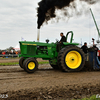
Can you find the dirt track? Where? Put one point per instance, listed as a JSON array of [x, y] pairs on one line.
[[47, 83]]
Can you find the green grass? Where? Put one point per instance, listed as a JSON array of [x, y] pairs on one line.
[[16, 63], [9, 58], [91, 98], [46, 62], [9, 64]]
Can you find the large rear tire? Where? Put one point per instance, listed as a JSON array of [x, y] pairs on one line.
[[30, 65], [21, 62], [71, 58]]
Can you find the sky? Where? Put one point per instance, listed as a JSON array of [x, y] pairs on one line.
[[18, 19]]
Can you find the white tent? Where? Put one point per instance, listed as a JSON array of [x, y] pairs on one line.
[[17, 47]]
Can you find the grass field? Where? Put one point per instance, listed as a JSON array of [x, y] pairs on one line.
[[91, 98], [1, 58], [17, 63]]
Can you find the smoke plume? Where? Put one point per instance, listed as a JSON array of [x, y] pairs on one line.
[[47, 8]]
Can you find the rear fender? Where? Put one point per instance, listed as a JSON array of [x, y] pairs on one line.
[[67, 44]]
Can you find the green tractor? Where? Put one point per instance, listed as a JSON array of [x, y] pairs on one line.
[[69, 58]]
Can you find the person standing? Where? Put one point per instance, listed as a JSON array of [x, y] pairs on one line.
[[85, 48], [96, 48]]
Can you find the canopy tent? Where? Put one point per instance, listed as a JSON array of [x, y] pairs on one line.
[[17, 47]]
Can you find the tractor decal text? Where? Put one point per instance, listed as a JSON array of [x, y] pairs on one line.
[[28, 44]]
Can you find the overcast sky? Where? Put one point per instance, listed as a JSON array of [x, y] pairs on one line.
[[18, 19]]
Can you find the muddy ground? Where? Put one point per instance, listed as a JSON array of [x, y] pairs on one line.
[[47, 84]]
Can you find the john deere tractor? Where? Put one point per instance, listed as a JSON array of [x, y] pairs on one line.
[[68, 58]]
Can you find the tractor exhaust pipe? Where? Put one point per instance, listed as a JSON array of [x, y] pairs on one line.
[[38, 35]]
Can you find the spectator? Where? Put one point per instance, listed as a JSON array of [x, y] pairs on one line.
[[4, 53], [95, 48], [84, 48]]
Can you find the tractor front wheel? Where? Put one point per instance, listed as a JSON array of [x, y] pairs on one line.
[[30, 65], [21, 62], [71, 58]]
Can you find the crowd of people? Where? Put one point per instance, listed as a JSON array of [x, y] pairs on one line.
[[5, 52], [85, 48]]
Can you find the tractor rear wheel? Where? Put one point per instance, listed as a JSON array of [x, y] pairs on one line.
[[30, 65], [53, 66], [21, 62], [71, 58]]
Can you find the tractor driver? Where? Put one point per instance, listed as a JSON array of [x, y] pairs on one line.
[[63, 39]]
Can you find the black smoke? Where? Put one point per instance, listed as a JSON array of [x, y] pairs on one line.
[[47, 8]]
